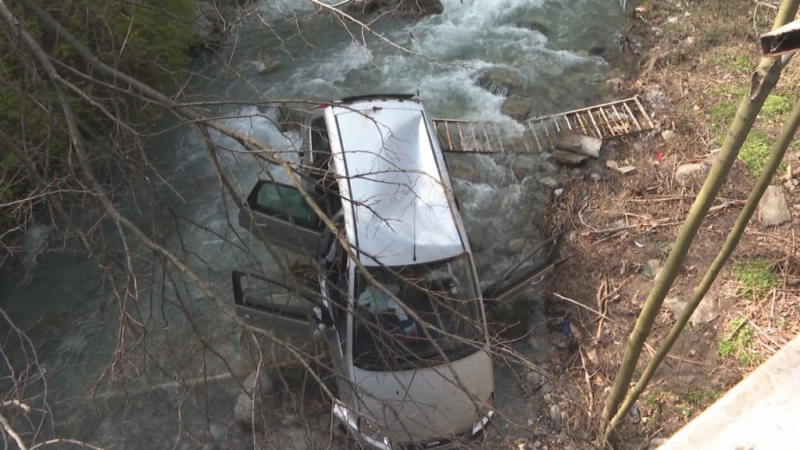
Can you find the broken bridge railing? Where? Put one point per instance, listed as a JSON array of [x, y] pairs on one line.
[[605, 121]]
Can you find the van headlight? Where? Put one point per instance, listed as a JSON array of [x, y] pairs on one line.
[[480, 424]]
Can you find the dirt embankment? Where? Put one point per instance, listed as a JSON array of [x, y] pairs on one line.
[[691, 62]]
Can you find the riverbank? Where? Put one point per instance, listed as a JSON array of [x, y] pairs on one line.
[[694, 67]]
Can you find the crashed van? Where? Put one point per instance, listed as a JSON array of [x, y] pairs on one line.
[[396, 298]]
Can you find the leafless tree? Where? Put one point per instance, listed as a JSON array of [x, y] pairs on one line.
[[171, 355]]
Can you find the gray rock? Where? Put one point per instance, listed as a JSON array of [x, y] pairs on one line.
[[633, 414], [499, 81], [555, 417], [655, 443], [516, 245], [546, 388], [595, 176], [208, 28], [581, 144], [773, 208], [675, 304], [706, 311], [517, 108], [667, 135], [652, 268], [535, 380], [689, 174], [413, 9], [258, 396], [597, 50]]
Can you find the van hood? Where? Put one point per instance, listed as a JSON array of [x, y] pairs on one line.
[[424, 404]]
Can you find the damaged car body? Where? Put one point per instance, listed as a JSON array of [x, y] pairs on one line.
[[397, 299]]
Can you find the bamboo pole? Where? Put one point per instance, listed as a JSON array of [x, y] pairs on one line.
[[778, 151]]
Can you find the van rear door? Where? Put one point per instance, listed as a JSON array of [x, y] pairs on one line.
[[282, 217]]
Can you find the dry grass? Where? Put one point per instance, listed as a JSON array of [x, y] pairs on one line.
[[693, 74]]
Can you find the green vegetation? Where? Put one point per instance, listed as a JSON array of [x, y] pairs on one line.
[[696, 400], [776, 105], [755, 278], [656, 397], [738, 343], [756, 149], [731, 61], [755, 152], [147, 39]]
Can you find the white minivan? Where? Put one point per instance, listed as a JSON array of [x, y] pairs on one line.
[[401, 312]]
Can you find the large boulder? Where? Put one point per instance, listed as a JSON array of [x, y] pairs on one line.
[[517, 108], [413, 9], [256, 401], [208, 27], [499, 81]]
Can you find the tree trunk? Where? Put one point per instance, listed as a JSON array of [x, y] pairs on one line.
[[762, 82]]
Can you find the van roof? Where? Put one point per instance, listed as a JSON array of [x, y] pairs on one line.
[[392, 168]]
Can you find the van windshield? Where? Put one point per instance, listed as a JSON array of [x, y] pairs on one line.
[[435, 310]]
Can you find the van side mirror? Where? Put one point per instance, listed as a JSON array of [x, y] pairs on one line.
[[322, 316]]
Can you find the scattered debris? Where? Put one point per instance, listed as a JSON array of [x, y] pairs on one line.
[[624, 170], [774, 209], [667, 135]]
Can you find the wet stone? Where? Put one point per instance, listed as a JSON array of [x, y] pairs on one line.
[[499, 81], [516, 245], [517, 108], [549, 182]]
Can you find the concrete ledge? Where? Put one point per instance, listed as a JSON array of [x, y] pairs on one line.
[[761, 412]]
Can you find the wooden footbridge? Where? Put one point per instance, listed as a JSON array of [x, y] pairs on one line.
[[606, 121]]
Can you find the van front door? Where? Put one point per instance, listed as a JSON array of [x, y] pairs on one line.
[[272, 305], [283, 218]]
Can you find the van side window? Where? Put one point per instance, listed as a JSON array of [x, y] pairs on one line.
[[284, 202]]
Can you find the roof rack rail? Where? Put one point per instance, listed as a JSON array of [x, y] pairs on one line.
[[377, 96]]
